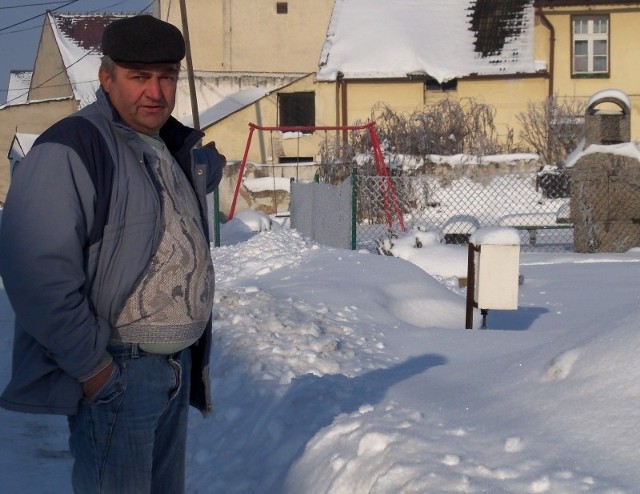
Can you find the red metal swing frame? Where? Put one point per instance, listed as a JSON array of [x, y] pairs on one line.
[[388, 193]]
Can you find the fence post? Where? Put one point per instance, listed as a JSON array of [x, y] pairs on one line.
[[354, 208], [216, 216]]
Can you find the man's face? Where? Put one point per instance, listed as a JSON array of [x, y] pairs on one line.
[[143, 94]]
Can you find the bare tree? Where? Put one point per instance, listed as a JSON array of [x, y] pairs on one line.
[[552, 128], [448, 127]]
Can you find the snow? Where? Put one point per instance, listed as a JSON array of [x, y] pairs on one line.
[[382, 39], [469, 159], [628, 149], [461, 223], [21, 144], [495, 236], [228, 105], [262, 184], [19, 82], [81, 65], [532, 219], [338, 371], [610, 93]]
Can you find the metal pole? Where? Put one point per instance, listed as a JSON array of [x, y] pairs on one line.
[[216, 216], [354, 208], [192, 86], [471, 285]]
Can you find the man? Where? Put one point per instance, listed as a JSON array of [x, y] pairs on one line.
[[104, 254]]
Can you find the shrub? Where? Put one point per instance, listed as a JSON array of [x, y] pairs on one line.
[[445, 128], [552, 128]]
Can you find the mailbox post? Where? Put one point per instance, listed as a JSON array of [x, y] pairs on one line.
[[493, 271]]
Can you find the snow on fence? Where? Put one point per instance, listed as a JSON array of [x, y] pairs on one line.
[[322, 212], [454, 208]]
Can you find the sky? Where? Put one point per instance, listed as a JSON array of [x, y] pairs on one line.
[[345, 372], [21, 25]]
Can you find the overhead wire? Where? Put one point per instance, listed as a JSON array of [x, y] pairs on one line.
[[7, 7], [35, 16], [75, 62]]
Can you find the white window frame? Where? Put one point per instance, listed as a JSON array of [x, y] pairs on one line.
[[588, 30]]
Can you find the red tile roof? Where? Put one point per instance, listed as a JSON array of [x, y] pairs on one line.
[[85, 29]]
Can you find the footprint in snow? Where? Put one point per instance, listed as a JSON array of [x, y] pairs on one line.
[[560, 367]]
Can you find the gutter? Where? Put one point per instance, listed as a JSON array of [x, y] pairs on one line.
[[552, 47], [341, 111]]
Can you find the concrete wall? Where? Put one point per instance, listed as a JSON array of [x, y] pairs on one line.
[[249, 36]]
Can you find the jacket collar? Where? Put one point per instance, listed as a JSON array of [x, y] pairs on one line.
[[178, 138]]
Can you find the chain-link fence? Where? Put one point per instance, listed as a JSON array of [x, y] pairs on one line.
[[535, 203]]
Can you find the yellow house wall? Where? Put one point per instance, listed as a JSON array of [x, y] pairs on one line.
[[32, 118], [205, 19], [266, 147], [542, 41], [508, 97], [363, 96], [49, 79], [249, 36], [624, 52]]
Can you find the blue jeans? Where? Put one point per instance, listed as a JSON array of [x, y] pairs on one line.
[[131, 437]]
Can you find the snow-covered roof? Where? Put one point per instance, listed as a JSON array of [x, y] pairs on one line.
[[443, 40], [78, 37], [18, 91], [627, 149], [227, 106], [20, 146], [610, 94]]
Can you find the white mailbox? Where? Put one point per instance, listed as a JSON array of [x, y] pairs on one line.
[[496, 280], [493, 272]]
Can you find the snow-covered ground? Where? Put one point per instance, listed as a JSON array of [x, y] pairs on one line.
[[337, 371]]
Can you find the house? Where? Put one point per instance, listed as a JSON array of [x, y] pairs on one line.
[[504, 53], [330, 62], [64, 78], [589, 46], [237, 45], [20, 146], [252, 36], [236, 49]]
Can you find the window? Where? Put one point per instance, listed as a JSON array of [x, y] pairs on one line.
[[433, 85], [590, 45], [297, 109], [282, 7]]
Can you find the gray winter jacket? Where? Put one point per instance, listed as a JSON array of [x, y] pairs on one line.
[[81, 222]]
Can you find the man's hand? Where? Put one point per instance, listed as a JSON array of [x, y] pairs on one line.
[[212, 145], [93, 385]]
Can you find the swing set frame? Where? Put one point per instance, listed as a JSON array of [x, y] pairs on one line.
[[391, 205]]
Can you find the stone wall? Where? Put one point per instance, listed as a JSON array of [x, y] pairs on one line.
[[605, 202]]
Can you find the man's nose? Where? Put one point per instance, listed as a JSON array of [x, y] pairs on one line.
[[154, 88]]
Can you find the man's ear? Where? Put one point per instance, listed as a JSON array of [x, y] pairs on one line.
[[105, 79]]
